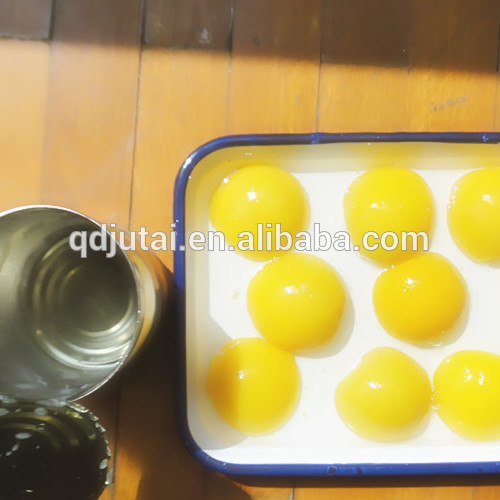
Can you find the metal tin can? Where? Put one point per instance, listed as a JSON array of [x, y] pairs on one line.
[[74, 305], [51, 451]]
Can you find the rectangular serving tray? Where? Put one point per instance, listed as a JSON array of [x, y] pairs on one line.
[[211, 306]]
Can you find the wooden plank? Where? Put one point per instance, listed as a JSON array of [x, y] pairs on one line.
[[454, 62], [189, 23], [92, 107], [23, 94], [354, 99], [25, 18], [152, 460], [364, 75], [275, 66], [182, 104]]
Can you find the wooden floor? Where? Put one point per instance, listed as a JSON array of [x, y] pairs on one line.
[[101, 100]]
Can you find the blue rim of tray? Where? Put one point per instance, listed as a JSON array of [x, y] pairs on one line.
[[361, 469]]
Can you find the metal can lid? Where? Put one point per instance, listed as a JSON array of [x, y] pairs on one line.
[[51, 450]]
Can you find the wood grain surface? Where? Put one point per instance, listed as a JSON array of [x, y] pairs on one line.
[[25, 18], [274, 66], [189, 24], [91, 107], [100, 117], [23, 98]]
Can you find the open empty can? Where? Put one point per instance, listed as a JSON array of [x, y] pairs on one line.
[[74, 305]]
